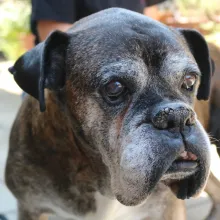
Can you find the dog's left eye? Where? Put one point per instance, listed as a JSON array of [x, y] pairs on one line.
[[114, 90], [189, 81]]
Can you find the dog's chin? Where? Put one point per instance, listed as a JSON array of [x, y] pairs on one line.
[[184, 184], [185, 177], [146, 160], [181, 183]]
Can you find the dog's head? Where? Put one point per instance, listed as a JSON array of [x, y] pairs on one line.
[[130, 82]]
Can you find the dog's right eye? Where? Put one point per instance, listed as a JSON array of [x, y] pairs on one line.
[[114, 88], [115, 91]]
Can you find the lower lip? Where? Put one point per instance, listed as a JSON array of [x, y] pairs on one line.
[[183, 166]]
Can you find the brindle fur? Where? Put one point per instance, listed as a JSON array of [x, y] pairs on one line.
[[81, 145]]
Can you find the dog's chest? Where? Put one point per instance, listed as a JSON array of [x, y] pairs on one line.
[[107, 209], [113, 210]]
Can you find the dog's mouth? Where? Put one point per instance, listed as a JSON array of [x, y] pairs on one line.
[[178, 176], [186, 162], [181, 162]]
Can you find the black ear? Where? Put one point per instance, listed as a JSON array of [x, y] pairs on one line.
[[42, 67], [200, 51]]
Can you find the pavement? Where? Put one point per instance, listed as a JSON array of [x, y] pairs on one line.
[[10, 101]]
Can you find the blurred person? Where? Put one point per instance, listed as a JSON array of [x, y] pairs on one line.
[[50, 15]]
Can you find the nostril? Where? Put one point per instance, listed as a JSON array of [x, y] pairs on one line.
[[169, 118], [191, 119], [188, 122], [164, 119], [170, 124]]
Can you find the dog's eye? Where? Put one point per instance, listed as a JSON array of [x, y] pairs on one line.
[[189, 81], [114, 89]]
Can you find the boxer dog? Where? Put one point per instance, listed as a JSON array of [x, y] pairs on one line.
[[109, 121]]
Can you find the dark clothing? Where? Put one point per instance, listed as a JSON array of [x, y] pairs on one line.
[[70, 11]]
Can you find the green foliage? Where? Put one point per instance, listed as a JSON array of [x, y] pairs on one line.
[[198, 7], [201, 10], [14, 23]]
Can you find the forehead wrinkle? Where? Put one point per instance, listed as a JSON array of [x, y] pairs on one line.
[[174, 66], [135, 69], [171, 72]]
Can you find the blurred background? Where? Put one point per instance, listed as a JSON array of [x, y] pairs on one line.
[[16, 38]]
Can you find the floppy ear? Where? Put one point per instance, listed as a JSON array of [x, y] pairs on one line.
[[42, 67], [200, 51]]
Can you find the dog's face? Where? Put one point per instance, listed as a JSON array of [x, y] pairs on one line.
[[130, 82]]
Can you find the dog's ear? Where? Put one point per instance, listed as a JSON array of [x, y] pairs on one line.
[[212, 66], [42, 67], [200, 51]]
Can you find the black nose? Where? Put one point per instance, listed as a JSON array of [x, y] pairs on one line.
[[173, 116]]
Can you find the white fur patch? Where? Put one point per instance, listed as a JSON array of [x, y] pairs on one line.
[[108, 209]]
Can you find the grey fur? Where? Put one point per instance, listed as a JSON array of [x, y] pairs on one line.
[[83, 145]]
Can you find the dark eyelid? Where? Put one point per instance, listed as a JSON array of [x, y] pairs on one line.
[[192, 70], [125, 80]]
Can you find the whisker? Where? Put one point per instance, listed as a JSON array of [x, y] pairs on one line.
[[213, 138]]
